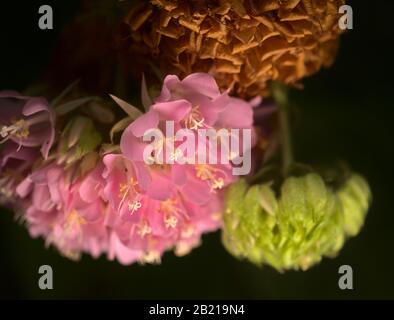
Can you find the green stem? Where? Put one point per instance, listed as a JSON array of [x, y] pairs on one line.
[[280, 95]]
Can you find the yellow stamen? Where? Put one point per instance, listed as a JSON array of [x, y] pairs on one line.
[[182, 249], [170, 206], [19, 129], [152, 256], [195, 119], [125, 189], [216, 216], [187, 232], [144, 228], [171, 221], [209, 174], [134, 206], [74, 220]]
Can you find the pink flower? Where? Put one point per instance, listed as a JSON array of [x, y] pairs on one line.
[[125, 208], [27, 121], [68, 213], [15, 164], [26, 127], [202, 104], [193, 103], [106, 212], [143, 228]]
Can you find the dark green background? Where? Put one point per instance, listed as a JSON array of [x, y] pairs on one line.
[[345, 112]]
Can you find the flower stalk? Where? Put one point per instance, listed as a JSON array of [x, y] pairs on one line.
[[280, 94]]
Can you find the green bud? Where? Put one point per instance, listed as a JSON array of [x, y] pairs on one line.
[[80, 137], [294, 230], [355, 197]]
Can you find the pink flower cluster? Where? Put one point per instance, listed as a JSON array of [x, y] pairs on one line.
[[27, 127], [124, 208]]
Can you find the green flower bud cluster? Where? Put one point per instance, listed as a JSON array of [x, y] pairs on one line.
[[307, 221]]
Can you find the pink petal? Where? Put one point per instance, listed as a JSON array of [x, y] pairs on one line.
[[132, 147], [256, 101], [142, 174], [89, 190], [202, 83], [238, 114], [173, 110], [196, 191], [138, 127], [160, 188], [212, 108], [35, 105], [178, 174], [119, 251], [24, 188], [169, 82]]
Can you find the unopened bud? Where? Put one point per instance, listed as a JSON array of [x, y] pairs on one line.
[[295, 229]]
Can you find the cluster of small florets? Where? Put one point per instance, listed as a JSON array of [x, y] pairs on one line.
[[111, 202]]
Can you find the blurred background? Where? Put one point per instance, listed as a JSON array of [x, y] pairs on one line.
[[346, 112]]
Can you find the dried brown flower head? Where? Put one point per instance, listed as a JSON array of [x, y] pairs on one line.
[[244, 43]]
